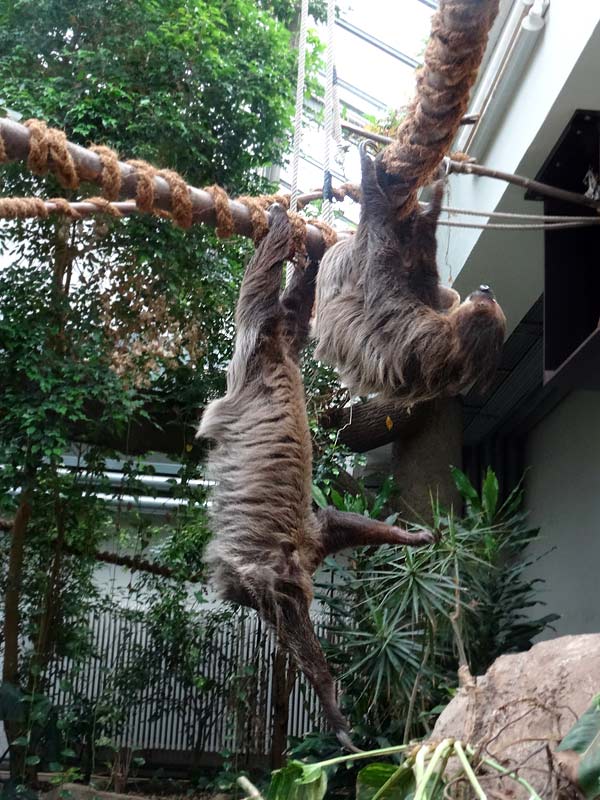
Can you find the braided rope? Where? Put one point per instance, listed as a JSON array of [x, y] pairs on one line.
[[48, 150], [49, 146], [225, 225], [181, 200], [110, 179], [22, 207], [259, 223], [34, 207], [459, 32]]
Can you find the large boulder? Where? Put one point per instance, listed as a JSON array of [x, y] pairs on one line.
[[518, 712]]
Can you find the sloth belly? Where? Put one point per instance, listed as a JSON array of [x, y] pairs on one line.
[[261, 508]]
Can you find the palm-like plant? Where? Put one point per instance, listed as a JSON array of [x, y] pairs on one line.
[[399, 617]]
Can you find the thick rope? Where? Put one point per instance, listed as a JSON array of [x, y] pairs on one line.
[[110, 179], [48, 146], [48, 151], [225, 225], [32, 207], [22, 208], [256, 209], [459, 32], [181, 200]]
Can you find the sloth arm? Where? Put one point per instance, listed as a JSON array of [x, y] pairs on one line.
[[342, 529], [258, 303], [297, 301]]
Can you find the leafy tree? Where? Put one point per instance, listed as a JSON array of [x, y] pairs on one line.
[[102, 320]]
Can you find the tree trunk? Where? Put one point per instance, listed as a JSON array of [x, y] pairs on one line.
[[421, 463], [12, 595], [284, 675]]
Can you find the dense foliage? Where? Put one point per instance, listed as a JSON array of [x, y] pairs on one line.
[[108, 328], [104, 325], [401, 618]]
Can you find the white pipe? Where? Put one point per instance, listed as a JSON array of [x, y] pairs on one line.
[[506, 69]]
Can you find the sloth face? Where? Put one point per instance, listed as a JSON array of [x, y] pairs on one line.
[[482, 295]]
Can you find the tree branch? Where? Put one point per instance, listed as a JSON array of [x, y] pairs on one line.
[[374, 423]]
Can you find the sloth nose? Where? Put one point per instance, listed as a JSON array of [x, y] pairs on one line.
[[483, 293]]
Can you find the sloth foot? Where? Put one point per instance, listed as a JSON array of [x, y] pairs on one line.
[[344, 739]]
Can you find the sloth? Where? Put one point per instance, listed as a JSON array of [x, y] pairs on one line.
[[383, 320], [268, 540]]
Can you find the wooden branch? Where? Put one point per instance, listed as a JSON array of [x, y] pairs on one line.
[[89, 167], [468, 119], [14, 575], [376, 422], [133, 563], [471, 168]]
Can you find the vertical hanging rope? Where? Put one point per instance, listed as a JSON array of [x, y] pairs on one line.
[[298, 115], [327, 212], [299, 105]]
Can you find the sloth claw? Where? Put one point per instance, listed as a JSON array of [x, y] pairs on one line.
[[344, 739]]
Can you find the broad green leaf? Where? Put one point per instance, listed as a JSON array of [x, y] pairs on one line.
[[584, 738], [372, 777], [319, 497], [31, 761], [298, 781], [20, 741]]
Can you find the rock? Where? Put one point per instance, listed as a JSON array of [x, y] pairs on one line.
[[518, 712]]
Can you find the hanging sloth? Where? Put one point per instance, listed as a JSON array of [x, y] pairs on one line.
[[268, 541], [383, 320]]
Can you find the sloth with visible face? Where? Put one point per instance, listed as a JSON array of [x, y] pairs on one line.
[[267, 539], [383, 320]]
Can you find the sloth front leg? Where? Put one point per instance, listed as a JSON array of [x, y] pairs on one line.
[[343, 529]]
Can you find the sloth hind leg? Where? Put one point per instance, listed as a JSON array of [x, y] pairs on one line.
[[341, 529], [295, 633]]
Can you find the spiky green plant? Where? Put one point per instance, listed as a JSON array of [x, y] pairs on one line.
[[399, 617]]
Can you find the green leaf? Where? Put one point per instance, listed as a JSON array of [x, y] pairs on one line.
[[464, 485], [319, 497], [298, 781], [20, 741], [489, 494], [371, 778], [31, 761], [55, 766], [584, 738]]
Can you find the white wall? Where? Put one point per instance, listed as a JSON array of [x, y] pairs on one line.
[[563, 497], [562, 76]]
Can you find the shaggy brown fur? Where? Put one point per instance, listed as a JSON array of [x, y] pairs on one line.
[[382, 318], [267, 539]]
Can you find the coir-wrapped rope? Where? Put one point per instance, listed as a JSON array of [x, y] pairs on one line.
[[48, 151], [459, 33]]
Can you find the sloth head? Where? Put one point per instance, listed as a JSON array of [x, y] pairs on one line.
[[480, 326]]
